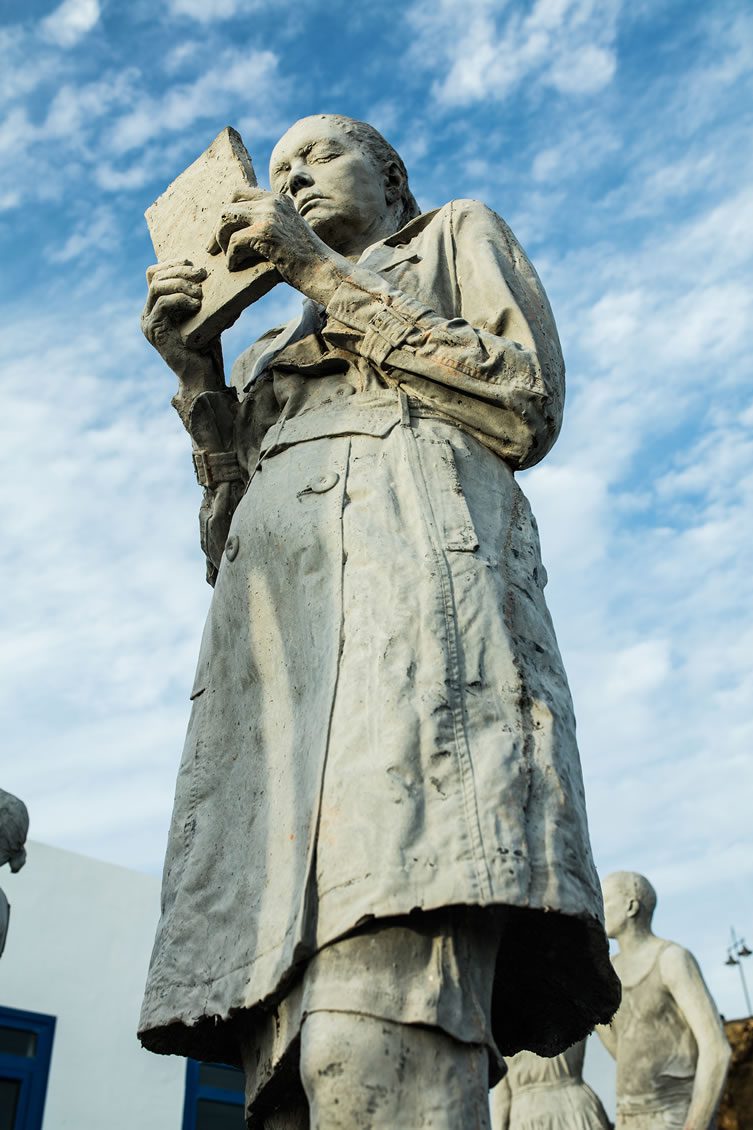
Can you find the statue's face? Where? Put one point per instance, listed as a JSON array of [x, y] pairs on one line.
[[332, 181], [616, 903]]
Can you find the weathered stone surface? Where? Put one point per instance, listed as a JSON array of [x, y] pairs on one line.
[[547, 1094], [182, 222], [380, 803], [14, 828], [667, 1036]]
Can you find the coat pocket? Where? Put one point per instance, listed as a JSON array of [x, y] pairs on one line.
[[451, 512]]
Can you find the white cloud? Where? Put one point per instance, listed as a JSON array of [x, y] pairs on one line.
[[70, 22], [96, 234], [635, 208], [251, 76], [204, 11], [103, 574], [122, 129], [484, 50]]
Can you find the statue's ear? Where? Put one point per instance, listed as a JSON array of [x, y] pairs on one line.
[[394, 180], [633, 907]]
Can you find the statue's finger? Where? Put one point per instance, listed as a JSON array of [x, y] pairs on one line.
[[175, 307], [164, 287], [241, 251], [231, 221], [167, 271], [165, 263], [247, 194]]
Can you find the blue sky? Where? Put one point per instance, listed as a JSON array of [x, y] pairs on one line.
[[615, 138]]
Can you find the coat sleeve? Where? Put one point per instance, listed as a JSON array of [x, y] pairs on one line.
[[210, 418], [496, 367], [226, 427]]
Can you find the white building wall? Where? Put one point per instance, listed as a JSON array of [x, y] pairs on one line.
[[80, 937]]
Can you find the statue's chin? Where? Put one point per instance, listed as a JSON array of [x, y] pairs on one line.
[[329, 228]]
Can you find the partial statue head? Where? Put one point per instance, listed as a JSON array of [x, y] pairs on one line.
[[628, 898], [345, 178], [4, 920], [14, 828]]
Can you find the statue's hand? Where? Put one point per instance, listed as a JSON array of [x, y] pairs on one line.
[[174, 295], [263, 225]]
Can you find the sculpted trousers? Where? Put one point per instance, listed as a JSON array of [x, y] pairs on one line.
[[360, 1073], [395, 1031]]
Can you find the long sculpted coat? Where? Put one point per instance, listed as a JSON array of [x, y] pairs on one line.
[[381, 721]]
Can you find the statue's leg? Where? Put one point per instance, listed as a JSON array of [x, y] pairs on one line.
[[361, 1073]]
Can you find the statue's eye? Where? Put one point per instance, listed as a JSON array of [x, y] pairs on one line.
[[320, 158]]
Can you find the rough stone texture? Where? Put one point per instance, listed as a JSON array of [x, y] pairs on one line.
[[667, 1036], [14, 828], [547, 1094], [182, 222], [381, 728], [736, 1109]]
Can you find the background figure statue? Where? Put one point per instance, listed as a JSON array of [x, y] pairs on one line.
[[667, 1036], [547, 1094], [14, 828], [378, 874]]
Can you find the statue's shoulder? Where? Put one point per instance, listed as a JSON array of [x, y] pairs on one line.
[[467, 211], [676, 962], [459, 214], [474, 223]]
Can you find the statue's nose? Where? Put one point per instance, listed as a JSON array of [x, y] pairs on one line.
[[299, 179]]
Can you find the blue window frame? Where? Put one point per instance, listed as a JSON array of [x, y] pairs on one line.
[[214, 1097], [25, 1053]]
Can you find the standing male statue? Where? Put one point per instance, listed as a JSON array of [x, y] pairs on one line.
[[378, 875], [667, 1036]]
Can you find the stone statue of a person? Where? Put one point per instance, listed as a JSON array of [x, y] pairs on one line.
[[547, 1094], [378, 875], [14, 828], [667, 1036]]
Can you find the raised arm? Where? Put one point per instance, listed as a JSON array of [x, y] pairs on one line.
[[608, 1037], [685, 982], [495, 365]]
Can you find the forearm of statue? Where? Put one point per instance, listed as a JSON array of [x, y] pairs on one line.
[[368, 316], [203, 372], [512, 378], [606, 1034], [684, 980], [711, 1072]]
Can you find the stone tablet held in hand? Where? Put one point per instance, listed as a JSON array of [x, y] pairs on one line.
[[182, 222]]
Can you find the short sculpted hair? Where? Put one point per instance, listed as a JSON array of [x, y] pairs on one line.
[[638, 887], [382, 154]]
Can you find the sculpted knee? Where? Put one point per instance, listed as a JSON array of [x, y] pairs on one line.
[[331, 1044]]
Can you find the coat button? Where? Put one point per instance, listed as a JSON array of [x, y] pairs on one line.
[[231, 547], [324, 483]]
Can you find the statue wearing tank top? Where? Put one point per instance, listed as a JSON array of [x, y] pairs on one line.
[[667, 1036]]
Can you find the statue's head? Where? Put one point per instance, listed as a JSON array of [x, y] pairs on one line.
[[348, 182], [629, 899], [14, 828]]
